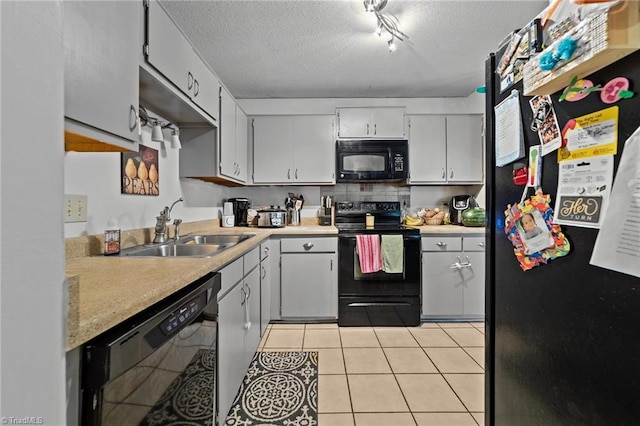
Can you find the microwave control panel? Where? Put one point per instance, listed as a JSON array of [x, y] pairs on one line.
[[398, 162]]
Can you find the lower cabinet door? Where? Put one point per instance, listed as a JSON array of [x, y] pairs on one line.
[[231, 350], [473, 298], [252, 327], [265, 295], [442, 285], [309, 285]]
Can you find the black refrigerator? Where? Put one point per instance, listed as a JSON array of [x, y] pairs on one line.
[[563, 339]]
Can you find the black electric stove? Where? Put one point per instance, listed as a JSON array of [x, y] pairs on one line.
[[378, 298]]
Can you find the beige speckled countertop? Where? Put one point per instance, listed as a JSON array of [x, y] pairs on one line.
[[103, 291]]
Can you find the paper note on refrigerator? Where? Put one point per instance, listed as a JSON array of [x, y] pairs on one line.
[[583, 191], [509, 135], [617, 246]]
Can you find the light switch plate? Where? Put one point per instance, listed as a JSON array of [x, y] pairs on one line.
[[75, 208]]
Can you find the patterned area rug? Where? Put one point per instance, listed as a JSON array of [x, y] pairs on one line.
[[280, 388], [189, 398]]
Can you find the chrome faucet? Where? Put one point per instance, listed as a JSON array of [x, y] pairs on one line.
[[176, 234], [162, 220]]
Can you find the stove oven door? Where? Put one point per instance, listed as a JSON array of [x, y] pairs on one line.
[[379, 298]]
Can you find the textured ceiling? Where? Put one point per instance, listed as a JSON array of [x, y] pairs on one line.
[[327, 49]]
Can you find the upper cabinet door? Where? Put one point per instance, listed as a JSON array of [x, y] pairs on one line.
[[354, 122], [427, 149], [464, 148], [206, 88], [314, 149], [101, 51], [387, 123], [169, 50], [272, 149], [241, 144], [227, 134], [371, 123]]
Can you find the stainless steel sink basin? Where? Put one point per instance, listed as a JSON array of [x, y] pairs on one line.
[[188, 246], [214, 239], [177, 250]]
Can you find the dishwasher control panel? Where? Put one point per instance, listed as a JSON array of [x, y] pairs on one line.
[[183, 315]]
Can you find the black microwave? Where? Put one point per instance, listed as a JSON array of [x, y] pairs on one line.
[[372, 160]]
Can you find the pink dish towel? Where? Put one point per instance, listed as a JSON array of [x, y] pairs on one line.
[[368, 249]]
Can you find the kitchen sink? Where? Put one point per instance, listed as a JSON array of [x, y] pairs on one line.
[[214, 239], [188, 246], [177, 250]]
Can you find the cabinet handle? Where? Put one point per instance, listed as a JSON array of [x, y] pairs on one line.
[[441, 244], [288, 173], [457, 264], [264, 273], [481, 244], [444, 173], [375, 129], [296, 174], [266, 250], [196, 88], [244, 296], [367, 128], [450, 173], [331, 265], [307, 246], [189, 80], [133, 118], [249, 290]]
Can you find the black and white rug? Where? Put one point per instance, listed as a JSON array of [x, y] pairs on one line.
[[280, 388]]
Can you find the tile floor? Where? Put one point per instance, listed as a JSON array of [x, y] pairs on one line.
[[370, 376]]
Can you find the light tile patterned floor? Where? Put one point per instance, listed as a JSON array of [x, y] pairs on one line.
[[432, 375]]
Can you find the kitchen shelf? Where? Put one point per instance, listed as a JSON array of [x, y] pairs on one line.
[[620, 29]]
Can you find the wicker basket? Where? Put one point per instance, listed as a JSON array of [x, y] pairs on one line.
[[433, 221]]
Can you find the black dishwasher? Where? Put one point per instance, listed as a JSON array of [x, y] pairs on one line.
[[158, 367]]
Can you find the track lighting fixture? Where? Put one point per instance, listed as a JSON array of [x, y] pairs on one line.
[[157, 126], [386, 22]]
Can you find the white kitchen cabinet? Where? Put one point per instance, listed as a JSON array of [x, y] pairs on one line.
[[371, 123], [453, 278], [233, 138], [231, 367], [308, 280], [238, 326], [427, 148], [265, 286], [171, 53], [220, 157], [101, 76], [293, 149], [453, 145]]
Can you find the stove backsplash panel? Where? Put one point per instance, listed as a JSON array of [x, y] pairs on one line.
[[414, 196]]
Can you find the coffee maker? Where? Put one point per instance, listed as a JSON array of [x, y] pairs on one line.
[[458, 204], [240, 208]]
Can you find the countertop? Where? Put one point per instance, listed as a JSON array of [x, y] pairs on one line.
[[104, 291]]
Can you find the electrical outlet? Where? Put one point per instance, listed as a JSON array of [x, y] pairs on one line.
[[75, 208]]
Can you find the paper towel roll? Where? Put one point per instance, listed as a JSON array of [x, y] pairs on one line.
[[228, 209]]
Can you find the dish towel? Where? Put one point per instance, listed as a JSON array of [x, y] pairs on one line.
[[368, 249], [392, 254]]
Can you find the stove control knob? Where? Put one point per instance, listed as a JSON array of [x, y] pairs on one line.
[[350, 206]]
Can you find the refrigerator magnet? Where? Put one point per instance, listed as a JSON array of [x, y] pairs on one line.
[[535, 238], [545, 123]]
